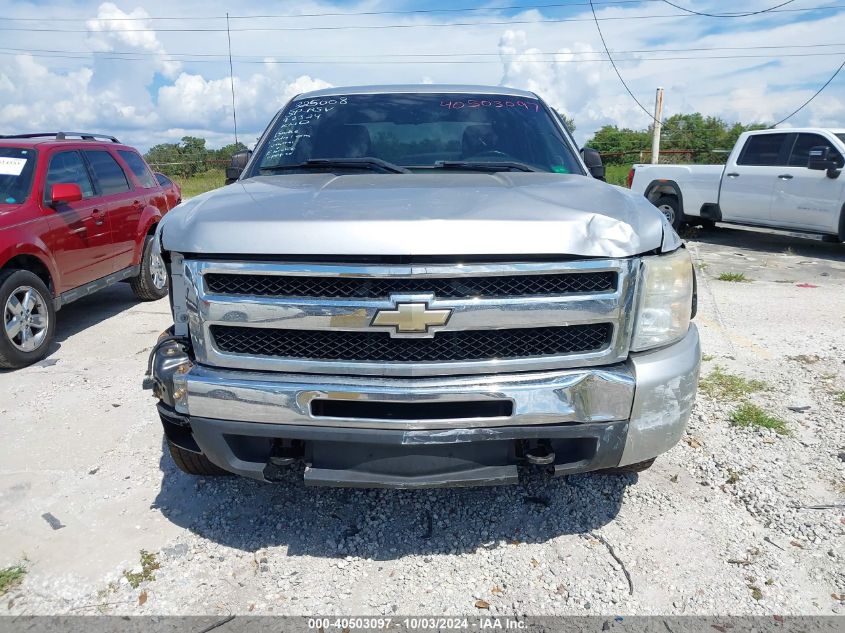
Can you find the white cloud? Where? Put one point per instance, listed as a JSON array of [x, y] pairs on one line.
[[156, 99], [192, 99], [130, 31]]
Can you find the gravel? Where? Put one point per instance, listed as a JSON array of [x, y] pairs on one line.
[[732, 520]]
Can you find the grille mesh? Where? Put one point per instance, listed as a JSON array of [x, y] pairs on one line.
[[454, 287], [456, 345]]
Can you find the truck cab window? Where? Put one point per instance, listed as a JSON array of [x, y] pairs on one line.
[[764, 150], [800, 155]]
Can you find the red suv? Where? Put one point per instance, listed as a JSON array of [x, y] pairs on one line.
[[77, 214]]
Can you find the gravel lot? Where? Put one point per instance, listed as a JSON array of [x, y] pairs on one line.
[[732, 520]]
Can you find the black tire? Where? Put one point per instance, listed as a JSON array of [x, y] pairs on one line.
[[194, 463], [671, 208], [630, 468], [12, 356], [144, 285]]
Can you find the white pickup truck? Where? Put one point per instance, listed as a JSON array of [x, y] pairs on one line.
[[783, 179]]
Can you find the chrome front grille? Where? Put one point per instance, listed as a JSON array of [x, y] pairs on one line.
[[319, 318], [477, 345], [441, 288]]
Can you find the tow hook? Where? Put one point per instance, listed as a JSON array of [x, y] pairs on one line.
[[167, 366], [540, 455], [285, 453]]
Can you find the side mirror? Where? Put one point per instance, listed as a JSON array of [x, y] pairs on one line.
[[592, 159], [820, 158], [236, 166], [64, 192]]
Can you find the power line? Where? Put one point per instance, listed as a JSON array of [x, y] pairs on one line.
[[818, 92], [729, 15], [557, 5], [425, 62], [616, 70], [391, 55], [348, 27]]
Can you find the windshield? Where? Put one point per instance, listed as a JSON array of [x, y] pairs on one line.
[[17, 166], [419, 131]]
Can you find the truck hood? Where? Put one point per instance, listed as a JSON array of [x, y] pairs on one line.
[[509, 213]]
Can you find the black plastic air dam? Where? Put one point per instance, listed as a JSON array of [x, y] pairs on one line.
[[378, 458], [369, 410]]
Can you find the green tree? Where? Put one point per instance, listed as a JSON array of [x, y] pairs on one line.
[[183, 159], [618, 145], [226, 152], [708, 139]]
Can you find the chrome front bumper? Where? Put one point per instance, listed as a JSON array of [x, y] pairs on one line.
[[646, 401]]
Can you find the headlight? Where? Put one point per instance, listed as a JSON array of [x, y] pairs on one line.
[[665, 308]]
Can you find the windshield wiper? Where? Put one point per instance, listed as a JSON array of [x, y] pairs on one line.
[[367, 162], [470, 165]]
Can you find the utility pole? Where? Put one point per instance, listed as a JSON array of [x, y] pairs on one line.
[[232, 79], [658, 114]]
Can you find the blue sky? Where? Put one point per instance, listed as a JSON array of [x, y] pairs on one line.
[[119, 67]]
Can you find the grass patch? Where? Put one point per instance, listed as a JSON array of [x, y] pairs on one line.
[[706, 357], [720, 384], [617, 174], [736, 277], [200, 183], [756, 593], [839, 397], [148, 565], [748, 414], [10, 578]]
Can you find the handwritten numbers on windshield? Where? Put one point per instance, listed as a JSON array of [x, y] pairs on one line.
[[529, 106], [295, 126]]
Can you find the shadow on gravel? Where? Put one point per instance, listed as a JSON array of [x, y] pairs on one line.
[[385, 524], [91, 310], [87, 312], [762, 241]]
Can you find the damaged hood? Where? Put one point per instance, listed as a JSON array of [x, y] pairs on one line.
[[440, 213]]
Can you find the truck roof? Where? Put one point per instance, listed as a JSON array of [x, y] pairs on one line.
[[798, 130], [418, 88]]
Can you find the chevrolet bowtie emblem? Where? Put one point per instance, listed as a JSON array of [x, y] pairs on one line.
[[411, 317]]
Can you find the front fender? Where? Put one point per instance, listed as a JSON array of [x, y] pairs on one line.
[[150, 217]]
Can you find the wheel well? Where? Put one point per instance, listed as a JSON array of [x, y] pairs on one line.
[[152, 229], [660, 191], [33, 265]]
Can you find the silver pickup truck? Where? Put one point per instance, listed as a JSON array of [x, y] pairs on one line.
[[422, 286]]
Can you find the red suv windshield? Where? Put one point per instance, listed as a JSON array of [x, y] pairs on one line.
[[17, 167]]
